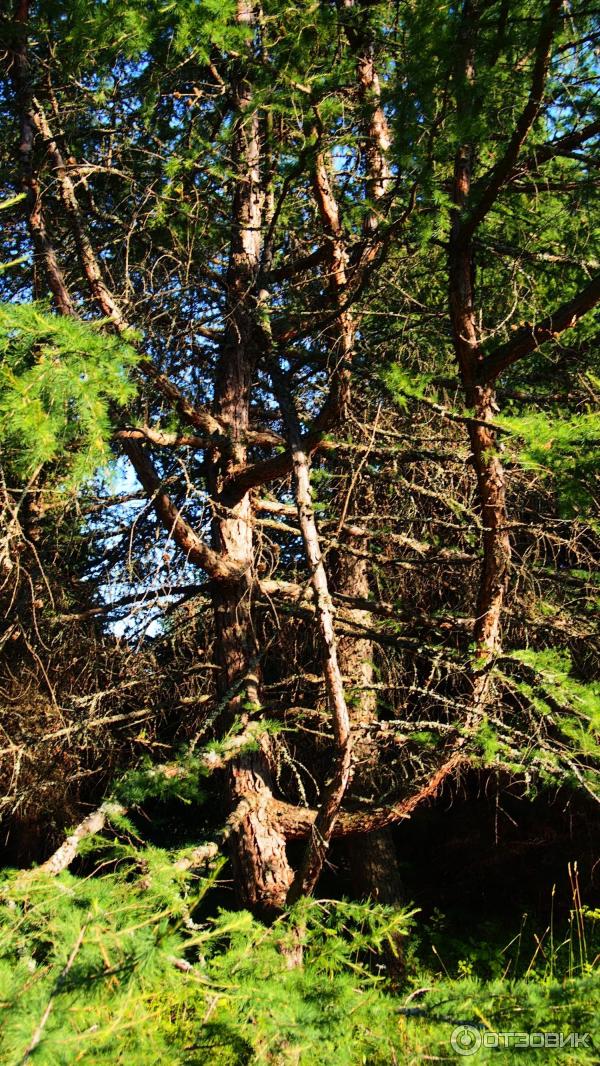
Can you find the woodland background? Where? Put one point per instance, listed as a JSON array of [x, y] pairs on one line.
[[299, 530]]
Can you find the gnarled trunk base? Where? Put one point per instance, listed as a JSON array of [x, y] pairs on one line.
[[262, 874]]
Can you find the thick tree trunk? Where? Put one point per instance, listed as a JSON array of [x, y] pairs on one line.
[[262, 873], [44, 250], [339, 393], [377, 139], [258, 847]]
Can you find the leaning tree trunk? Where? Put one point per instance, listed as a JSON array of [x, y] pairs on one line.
[[372, 858], [333, 793]]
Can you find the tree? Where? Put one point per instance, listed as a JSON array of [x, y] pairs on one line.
[[279, 211]]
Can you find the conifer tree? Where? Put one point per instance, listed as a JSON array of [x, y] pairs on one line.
[[247, 242]]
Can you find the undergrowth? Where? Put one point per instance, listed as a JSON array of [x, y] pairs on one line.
[[131, 960]]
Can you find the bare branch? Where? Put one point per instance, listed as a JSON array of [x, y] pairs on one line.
[[179, 530], [503, 169], [308, 874]]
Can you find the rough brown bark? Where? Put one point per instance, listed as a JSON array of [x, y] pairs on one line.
[[478, 373], [374, 867], [86, 254], [257, 842], [491, 479], [377, 139], [339, 394], [44, 250], [263, 875], [350, 578]]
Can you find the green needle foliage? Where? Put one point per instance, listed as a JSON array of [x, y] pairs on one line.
[[147, 983], [59, 378], [121, 967], [562, 449]]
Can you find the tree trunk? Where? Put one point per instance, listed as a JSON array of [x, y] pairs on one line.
[[493, 581], [481, 400], [44, 250], [262, 873], [372, 859]]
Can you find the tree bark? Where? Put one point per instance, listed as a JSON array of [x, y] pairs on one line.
[[481, 399], [333, 794], [377, 139], [372, 859], [263, 875], [44, 250]]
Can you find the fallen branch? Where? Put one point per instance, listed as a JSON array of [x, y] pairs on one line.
[[67, 852], [92, 723], [95, 822]]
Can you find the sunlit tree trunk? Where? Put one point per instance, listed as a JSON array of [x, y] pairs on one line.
[[258, 851], [481, 399]]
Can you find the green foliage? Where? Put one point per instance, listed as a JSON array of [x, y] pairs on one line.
[[554, 690], [58, 379], [563, 448], [133, 965], [127, 923], [492, 748], [135, 27], [563, 720], [523, 1006], [132, 977], [11, 201], [405, 385], [148, 782]]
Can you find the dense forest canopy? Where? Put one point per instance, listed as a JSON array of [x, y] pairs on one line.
[[298, 410]]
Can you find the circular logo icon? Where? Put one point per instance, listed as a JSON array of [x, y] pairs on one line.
[[465, 1040]]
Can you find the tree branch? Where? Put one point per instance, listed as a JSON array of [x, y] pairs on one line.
[[297, 822], [197, 551], [552, 149], [308, 874], [501, 172], [531, 336]]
